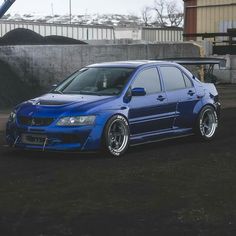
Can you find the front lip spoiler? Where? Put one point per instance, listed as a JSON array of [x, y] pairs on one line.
[[49, 151]]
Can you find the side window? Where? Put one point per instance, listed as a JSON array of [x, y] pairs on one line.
[[173, 78], [149, 80], [188, 83]]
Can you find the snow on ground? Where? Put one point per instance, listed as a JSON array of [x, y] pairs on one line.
[[94, 19]]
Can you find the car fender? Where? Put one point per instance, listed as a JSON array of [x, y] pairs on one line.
[[94, 140]]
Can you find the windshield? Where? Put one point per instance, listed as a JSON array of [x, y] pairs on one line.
[[96, 81]]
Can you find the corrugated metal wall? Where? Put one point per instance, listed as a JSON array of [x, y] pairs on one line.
[[190, 17], [73, 31], [128, 33], [81, 32], [215, 16], [162, 35]]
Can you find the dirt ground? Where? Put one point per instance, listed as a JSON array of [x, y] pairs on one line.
[[178, 187]]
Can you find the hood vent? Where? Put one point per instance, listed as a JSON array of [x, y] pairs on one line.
[[52, 103]]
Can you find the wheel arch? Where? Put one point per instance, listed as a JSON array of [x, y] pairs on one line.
[[198, 121], [201, 105], [94, 141], [109, 118], [112, 119]]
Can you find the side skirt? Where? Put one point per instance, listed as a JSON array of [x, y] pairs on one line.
[[160, 136]]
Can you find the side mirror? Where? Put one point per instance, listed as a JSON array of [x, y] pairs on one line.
[[138, 92]]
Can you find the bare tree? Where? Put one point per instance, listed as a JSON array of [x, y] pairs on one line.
[[159, 8], [167, 13], [146, 15], [175, 15]]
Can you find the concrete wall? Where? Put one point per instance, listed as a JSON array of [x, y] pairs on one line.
[[51, 64], [233, 69], [227, 74]]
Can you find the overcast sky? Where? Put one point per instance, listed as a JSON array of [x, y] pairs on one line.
[[79, 6]]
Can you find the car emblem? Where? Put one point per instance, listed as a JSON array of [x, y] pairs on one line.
[[33, 123]]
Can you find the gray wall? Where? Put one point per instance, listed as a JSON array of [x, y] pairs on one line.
[[233, 68], [227, 74], [50, 64]]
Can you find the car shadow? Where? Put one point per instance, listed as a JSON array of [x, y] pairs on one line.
[[163, 144], [133, 151]]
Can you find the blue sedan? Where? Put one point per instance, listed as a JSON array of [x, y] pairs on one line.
[[111, 106]]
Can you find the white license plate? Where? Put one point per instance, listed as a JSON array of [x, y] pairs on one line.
[[33, 139]]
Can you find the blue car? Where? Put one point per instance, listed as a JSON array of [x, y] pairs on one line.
[[111, 106]]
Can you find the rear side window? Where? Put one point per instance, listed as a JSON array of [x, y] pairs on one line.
[[149, 80], [173, 78]]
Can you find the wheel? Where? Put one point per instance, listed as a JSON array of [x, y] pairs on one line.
[[207, 123], [116, 136]]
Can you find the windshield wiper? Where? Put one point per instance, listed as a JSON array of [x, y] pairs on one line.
[[57, 92], [81, 92], [89, 93]]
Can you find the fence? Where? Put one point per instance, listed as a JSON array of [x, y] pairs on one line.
[[80, 32], [162, 34]]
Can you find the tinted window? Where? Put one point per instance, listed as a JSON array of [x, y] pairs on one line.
[[149, 80], [188, 83], [173, 78]]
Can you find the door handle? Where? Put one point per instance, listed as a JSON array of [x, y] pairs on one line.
[[191, 93], [161, 98]]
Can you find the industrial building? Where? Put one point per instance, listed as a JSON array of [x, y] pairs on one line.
[[96, 32], [214, 20], [212, 23], [150, 34], [209, 16]]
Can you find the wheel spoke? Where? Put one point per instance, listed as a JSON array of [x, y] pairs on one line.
[[208, 123], [118, 136]]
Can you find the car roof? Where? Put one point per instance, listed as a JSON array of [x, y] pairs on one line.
[[130, 64]]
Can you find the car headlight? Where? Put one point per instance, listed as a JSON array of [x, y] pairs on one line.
[[12, 117], [76, 121]]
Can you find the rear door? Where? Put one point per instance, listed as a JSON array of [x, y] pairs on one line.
[[181, 93], [149, 113]]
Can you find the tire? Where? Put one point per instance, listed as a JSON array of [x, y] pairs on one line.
[[207, 123], [116, 136]]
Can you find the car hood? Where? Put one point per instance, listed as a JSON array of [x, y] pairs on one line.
[[55, 105]]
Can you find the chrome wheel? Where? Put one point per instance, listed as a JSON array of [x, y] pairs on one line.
[[117, 136], [208, 123]]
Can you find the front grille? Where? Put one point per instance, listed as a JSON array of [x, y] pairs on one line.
[[34, 121]]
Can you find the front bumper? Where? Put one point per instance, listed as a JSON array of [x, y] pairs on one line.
[[87, 138]]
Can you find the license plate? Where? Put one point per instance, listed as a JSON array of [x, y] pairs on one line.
[[33, 139]]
